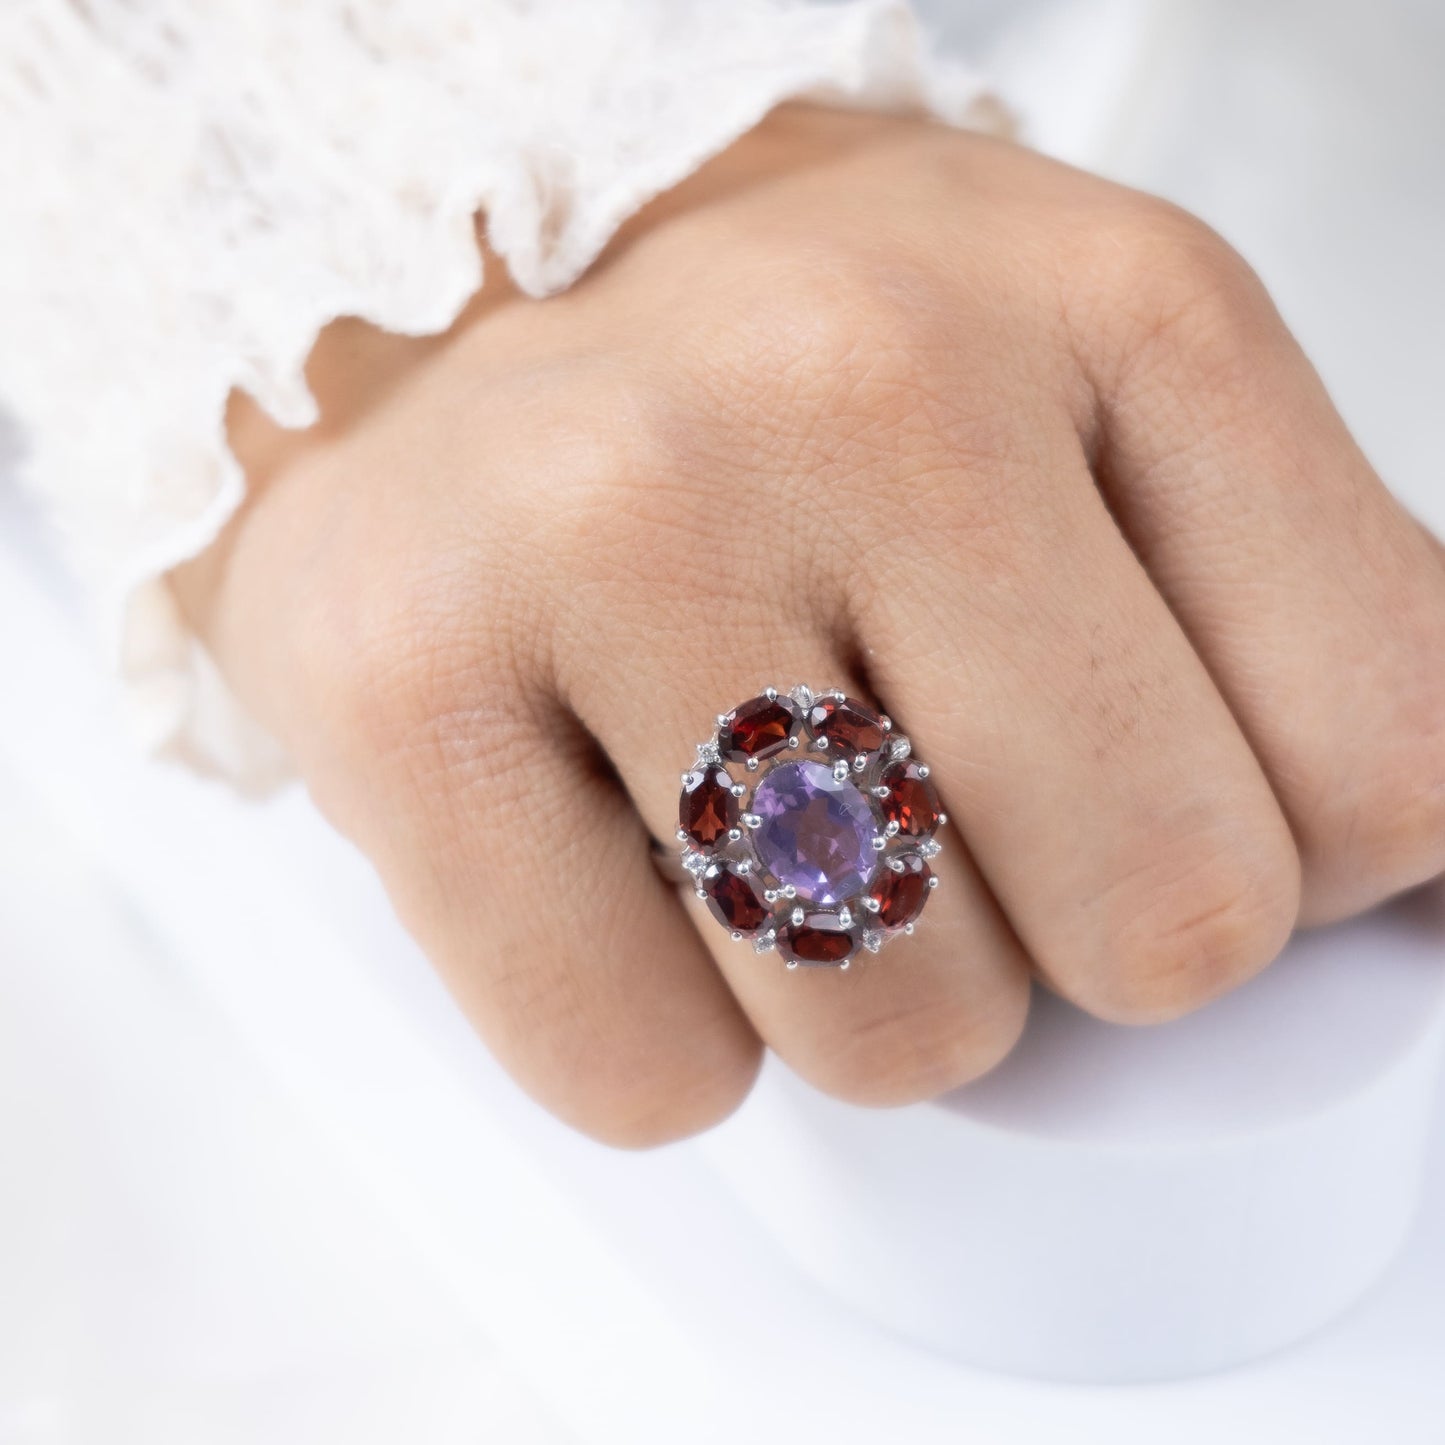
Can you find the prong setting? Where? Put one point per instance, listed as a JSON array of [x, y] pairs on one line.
[[738, 842]]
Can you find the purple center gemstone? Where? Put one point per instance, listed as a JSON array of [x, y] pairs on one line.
[[817, 833]]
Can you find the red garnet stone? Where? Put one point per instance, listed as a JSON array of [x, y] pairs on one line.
[[912, 800], [900, 895], [732, 899], [846, 725], [757, 728], [707, 809], [819, 938]]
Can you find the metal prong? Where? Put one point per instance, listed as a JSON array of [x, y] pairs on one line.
[[840, 770], [771, 895], [685, 777], [942, 819], [821, 744], [933, 880], [860, 762], [682, 835], [797, 916], [751, 765], [734, 834], [722, 719], [789, 891], [701, 892], [738, 789], [871, 904], [896, 864], [795, 741], [843, 967], [886, 723], [923, 770], [744, 865], [771, 693], [750, 820], [881, 790], [845, 916], [908, 928], [879, 843], [892, 829], [736, 936], [792, 964]]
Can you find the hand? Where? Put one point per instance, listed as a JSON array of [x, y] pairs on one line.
[[1027, 457]]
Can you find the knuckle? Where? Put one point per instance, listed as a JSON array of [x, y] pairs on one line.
[[1180, 291], [675, 1107], [920, 1052], [1384, 833], [815, 326], [1205, 915], [630, 1067], [421, 679], [642, 1093]]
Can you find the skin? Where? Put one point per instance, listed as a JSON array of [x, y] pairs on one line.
[[1025, 456]]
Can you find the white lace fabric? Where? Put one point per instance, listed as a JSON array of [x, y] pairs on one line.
[[191, 191]]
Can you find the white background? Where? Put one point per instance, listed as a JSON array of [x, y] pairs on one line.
[[256, 1182]]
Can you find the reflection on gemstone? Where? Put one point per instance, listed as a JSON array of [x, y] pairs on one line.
[[816, 832]]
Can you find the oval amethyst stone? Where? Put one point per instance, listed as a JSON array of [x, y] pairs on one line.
[[816, 832]]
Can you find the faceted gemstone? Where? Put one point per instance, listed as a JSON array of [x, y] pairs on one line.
[[819, 938], [732, 899], [847, 726], [901, 895], [912, 800], [758, 728], [707, 808], [816, 832]]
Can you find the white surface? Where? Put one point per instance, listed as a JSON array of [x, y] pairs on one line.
[[1114, 1204]]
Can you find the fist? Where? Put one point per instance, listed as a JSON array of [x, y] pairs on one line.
[[1026, 459]]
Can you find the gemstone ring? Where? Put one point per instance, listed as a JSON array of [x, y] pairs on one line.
[[807, 825]]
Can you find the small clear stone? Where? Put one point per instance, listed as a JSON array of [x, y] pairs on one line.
[[708, 755], [764, 941], [899, 749], [872, 940], [695, 863], [802, 695], [930, 848]]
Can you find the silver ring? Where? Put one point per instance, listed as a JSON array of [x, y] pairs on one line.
[[807, 825]]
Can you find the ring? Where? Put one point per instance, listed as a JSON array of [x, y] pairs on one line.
[[807, 824]]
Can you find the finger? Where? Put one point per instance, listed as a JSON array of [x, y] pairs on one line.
[[928, 1014], [525, 875], [515, 861], [1317, 602], [1097, 776]]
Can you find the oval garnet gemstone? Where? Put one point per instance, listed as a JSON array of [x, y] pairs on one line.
[[900, 895], [732, 899], [707, 809], [912, 800], [757, 728], [846, 725], [819, 938]]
